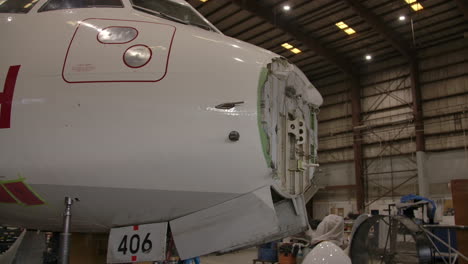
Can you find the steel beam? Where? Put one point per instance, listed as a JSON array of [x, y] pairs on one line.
[[357, 143], [296, 31], [410, 55], [405, 49], [381, 27], [463, 6], [417, 106], [340, 187]]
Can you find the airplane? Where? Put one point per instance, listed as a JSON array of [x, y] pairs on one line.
[[155, 123]]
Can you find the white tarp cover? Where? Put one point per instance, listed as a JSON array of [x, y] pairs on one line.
[[330, 229], [326, 253]]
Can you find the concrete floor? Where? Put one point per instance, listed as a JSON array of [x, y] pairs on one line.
[[239, 257]]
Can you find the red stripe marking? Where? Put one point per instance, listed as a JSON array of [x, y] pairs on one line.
[[134, 258], [6, 97], [5, 197], [22, 193], [135, 228]]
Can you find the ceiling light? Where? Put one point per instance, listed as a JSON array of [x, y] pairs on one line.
[[286, 8], [27, 5], [341, 25], [349, 31], [296, 51], [287, 46], [410, 1], [203, 1], [402, 18], [368, 57], [417, 7]]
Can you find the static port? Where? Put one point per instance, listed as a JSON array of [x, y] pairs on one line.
[[234, 136]]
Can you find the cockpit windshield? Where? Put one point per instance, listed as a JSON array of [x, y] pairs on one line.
[[173, 11]]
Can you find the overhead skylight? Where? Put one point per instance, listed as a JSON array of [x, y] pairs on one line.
[[347, 29]]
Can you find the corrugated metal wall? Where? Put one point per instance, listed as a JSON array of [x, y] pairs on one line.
[[388, 129]]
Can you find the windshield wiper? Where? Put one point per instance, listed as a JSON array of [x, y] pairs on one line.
[[200, 26], [159, 14]]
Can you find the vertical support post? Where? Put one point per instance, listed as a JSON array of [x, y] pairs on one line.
[[65, 237], [460, 196], [357, 142], [417, 106], [423, 184]]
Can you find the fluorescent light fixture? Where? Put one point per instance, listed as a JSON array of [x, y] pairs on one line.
[[417, 7], [368, 57], [27, 5], [341, 25], [286, 7], [402, 18], [296, 51], [203, 1], [287, 46], [291, 48], [349, 31]]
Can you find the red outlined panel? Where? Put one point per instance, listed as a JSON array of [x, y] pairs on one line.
[[6, 98], [23, 193], [5, 197], [89, 61]]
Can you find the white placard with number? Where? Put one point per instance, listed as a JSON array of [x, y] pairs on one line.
[[137, 243]]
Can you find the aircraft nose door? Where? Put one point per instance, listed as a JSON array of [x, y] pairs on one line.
[[289, 124]]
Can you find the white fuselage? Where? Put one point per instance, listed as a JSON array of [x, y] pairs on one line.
[[133, 145]]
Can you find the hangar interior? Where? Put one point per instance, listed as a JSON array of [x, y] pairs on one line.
[[394, 120]]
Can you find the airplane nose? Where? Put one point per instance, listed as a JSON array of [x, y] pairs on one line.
[[287, 117]]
